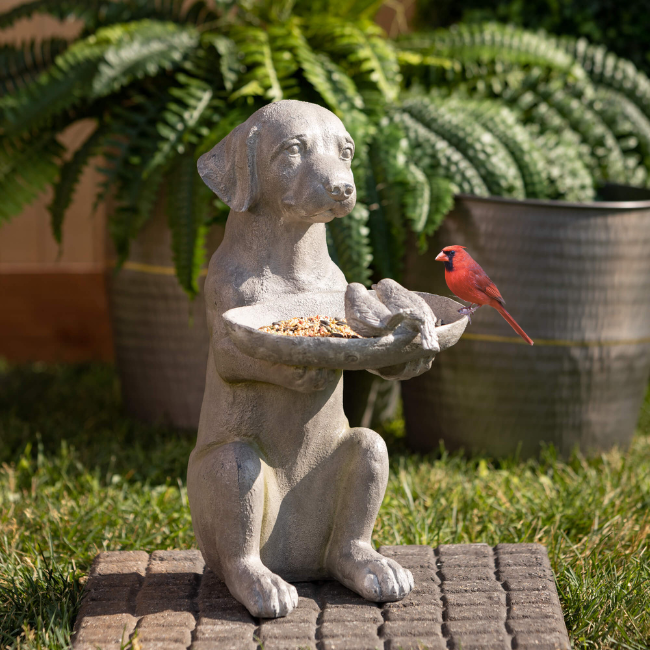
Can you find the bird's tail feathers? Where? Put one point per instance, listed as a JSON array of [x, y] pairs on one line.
[[513, 323]]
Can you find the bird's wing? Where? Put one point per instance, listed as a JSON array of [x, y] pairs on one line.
[[484, 284], [370, 311], [492, 291]]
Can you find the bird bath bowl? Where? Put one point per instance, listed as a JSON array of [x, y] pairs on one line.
[[401, 346]]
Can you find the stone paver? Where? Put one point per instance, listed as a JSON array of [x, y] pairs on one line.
[[466, 596]]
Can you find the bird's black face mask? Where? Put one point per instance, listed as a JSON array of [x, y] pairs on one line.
[[449, 264]]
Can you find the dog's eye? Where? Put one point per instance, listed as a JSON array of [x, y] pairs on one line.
[[347, 153], [293, 150]]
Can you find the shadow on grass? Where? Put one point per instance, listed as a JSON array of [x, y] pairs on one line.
[[44, 405]]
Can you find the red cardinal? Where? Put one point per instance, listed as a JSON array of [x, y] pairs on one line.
[[470, 282]]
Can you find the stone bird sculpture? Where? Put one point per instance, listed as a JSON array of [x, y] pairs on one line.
[[417, 315], [366, 315]]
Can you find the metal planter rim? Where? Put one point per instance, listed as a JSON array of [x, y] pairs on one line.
[[623, 206]]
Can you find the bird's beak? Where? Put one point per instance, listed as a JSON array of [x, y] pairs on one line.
[[442, 257]]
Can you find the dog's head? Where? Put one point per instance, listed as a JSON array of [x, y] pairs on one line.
[[289, 158]]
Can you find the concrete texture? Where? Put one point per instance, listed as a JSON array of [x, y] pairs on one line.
[[281, 488], [468, 596]]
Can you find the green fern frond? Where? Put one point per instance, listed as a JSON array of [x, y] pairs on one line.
[[134, 206], [131, 142], [387, 242], [417, 197], [606, 152], [486, 154], [350, 9], [416, 59], [436, 156], [341, 94], [489, 43], [569, 177], [96, 66], [199, 13], [606, 69], [407, 194], [224, 125], [558, 108], [181, 122], [625, 119], [351, 244], [141, 49], [229, 64], [69, 175], [283, 42], [388, 154], [27, 167], [188, 208], [329, 80], [58, 89], [261, 77], [443, 192], [335, 88], [129, 11], [428, 70], [362, 50], [509, 130], [60, 9], [100, 13], [21, 64]]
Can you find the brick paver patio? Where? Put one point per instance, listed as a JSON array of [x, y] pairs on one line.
[[466, 597]]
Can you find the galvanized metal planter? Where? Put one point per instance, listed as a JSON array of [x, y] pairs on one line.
[[577, 278], [160, 337]]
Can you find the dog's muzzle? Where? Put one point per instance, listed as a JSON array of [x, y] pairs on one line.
[[340, 191]]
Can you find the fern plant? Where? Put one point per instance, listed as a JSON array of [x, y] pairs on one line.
[[479, 109], [494, 110], [570, 95], [164, 82]]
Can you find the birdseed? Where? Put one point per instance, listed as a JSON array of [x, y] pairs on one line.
[[323, 326]]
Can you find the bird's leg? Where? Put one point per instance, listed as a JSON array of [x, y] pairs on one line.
[[468, 311]]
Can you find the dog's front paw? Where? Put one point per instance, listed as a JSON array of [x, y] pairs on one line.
[[370, 574], [262, 592]]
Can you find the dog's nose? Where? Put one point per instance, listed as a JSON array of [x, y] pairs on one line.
[[340, 191]]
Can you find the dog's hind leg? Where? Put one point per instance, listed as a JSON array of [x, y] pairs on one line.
[[350, 557], [227, 497]]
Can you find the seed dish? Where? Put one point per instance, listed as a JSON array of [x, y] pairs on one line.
[[403, 345]]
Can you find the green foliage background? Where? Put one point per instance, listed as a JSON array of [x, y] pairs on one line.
[[163, 83], [621, 27], [484, 109]]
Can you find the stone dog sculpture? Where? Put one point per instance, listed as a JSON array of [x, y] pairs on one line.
[[281, 488]]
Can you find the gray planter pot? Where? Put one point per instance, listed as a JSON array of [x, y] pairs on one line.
[[577, 279], [160, 337]]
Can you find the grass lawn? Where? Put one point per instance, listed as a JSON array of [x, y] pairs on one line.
[[77, 476]]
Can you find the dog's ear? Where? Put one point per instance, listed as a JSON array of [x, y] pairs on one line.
[[229, 169]]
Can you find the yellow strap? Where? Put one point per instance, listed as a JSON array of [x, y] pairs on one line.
[[553, 342], [151, 268]]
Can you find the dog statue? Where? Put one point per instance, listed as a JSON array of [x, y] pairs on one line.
[[281, 488]]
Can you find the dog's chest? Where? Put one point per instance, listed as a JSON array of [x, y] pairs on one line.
[[269, 286]]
